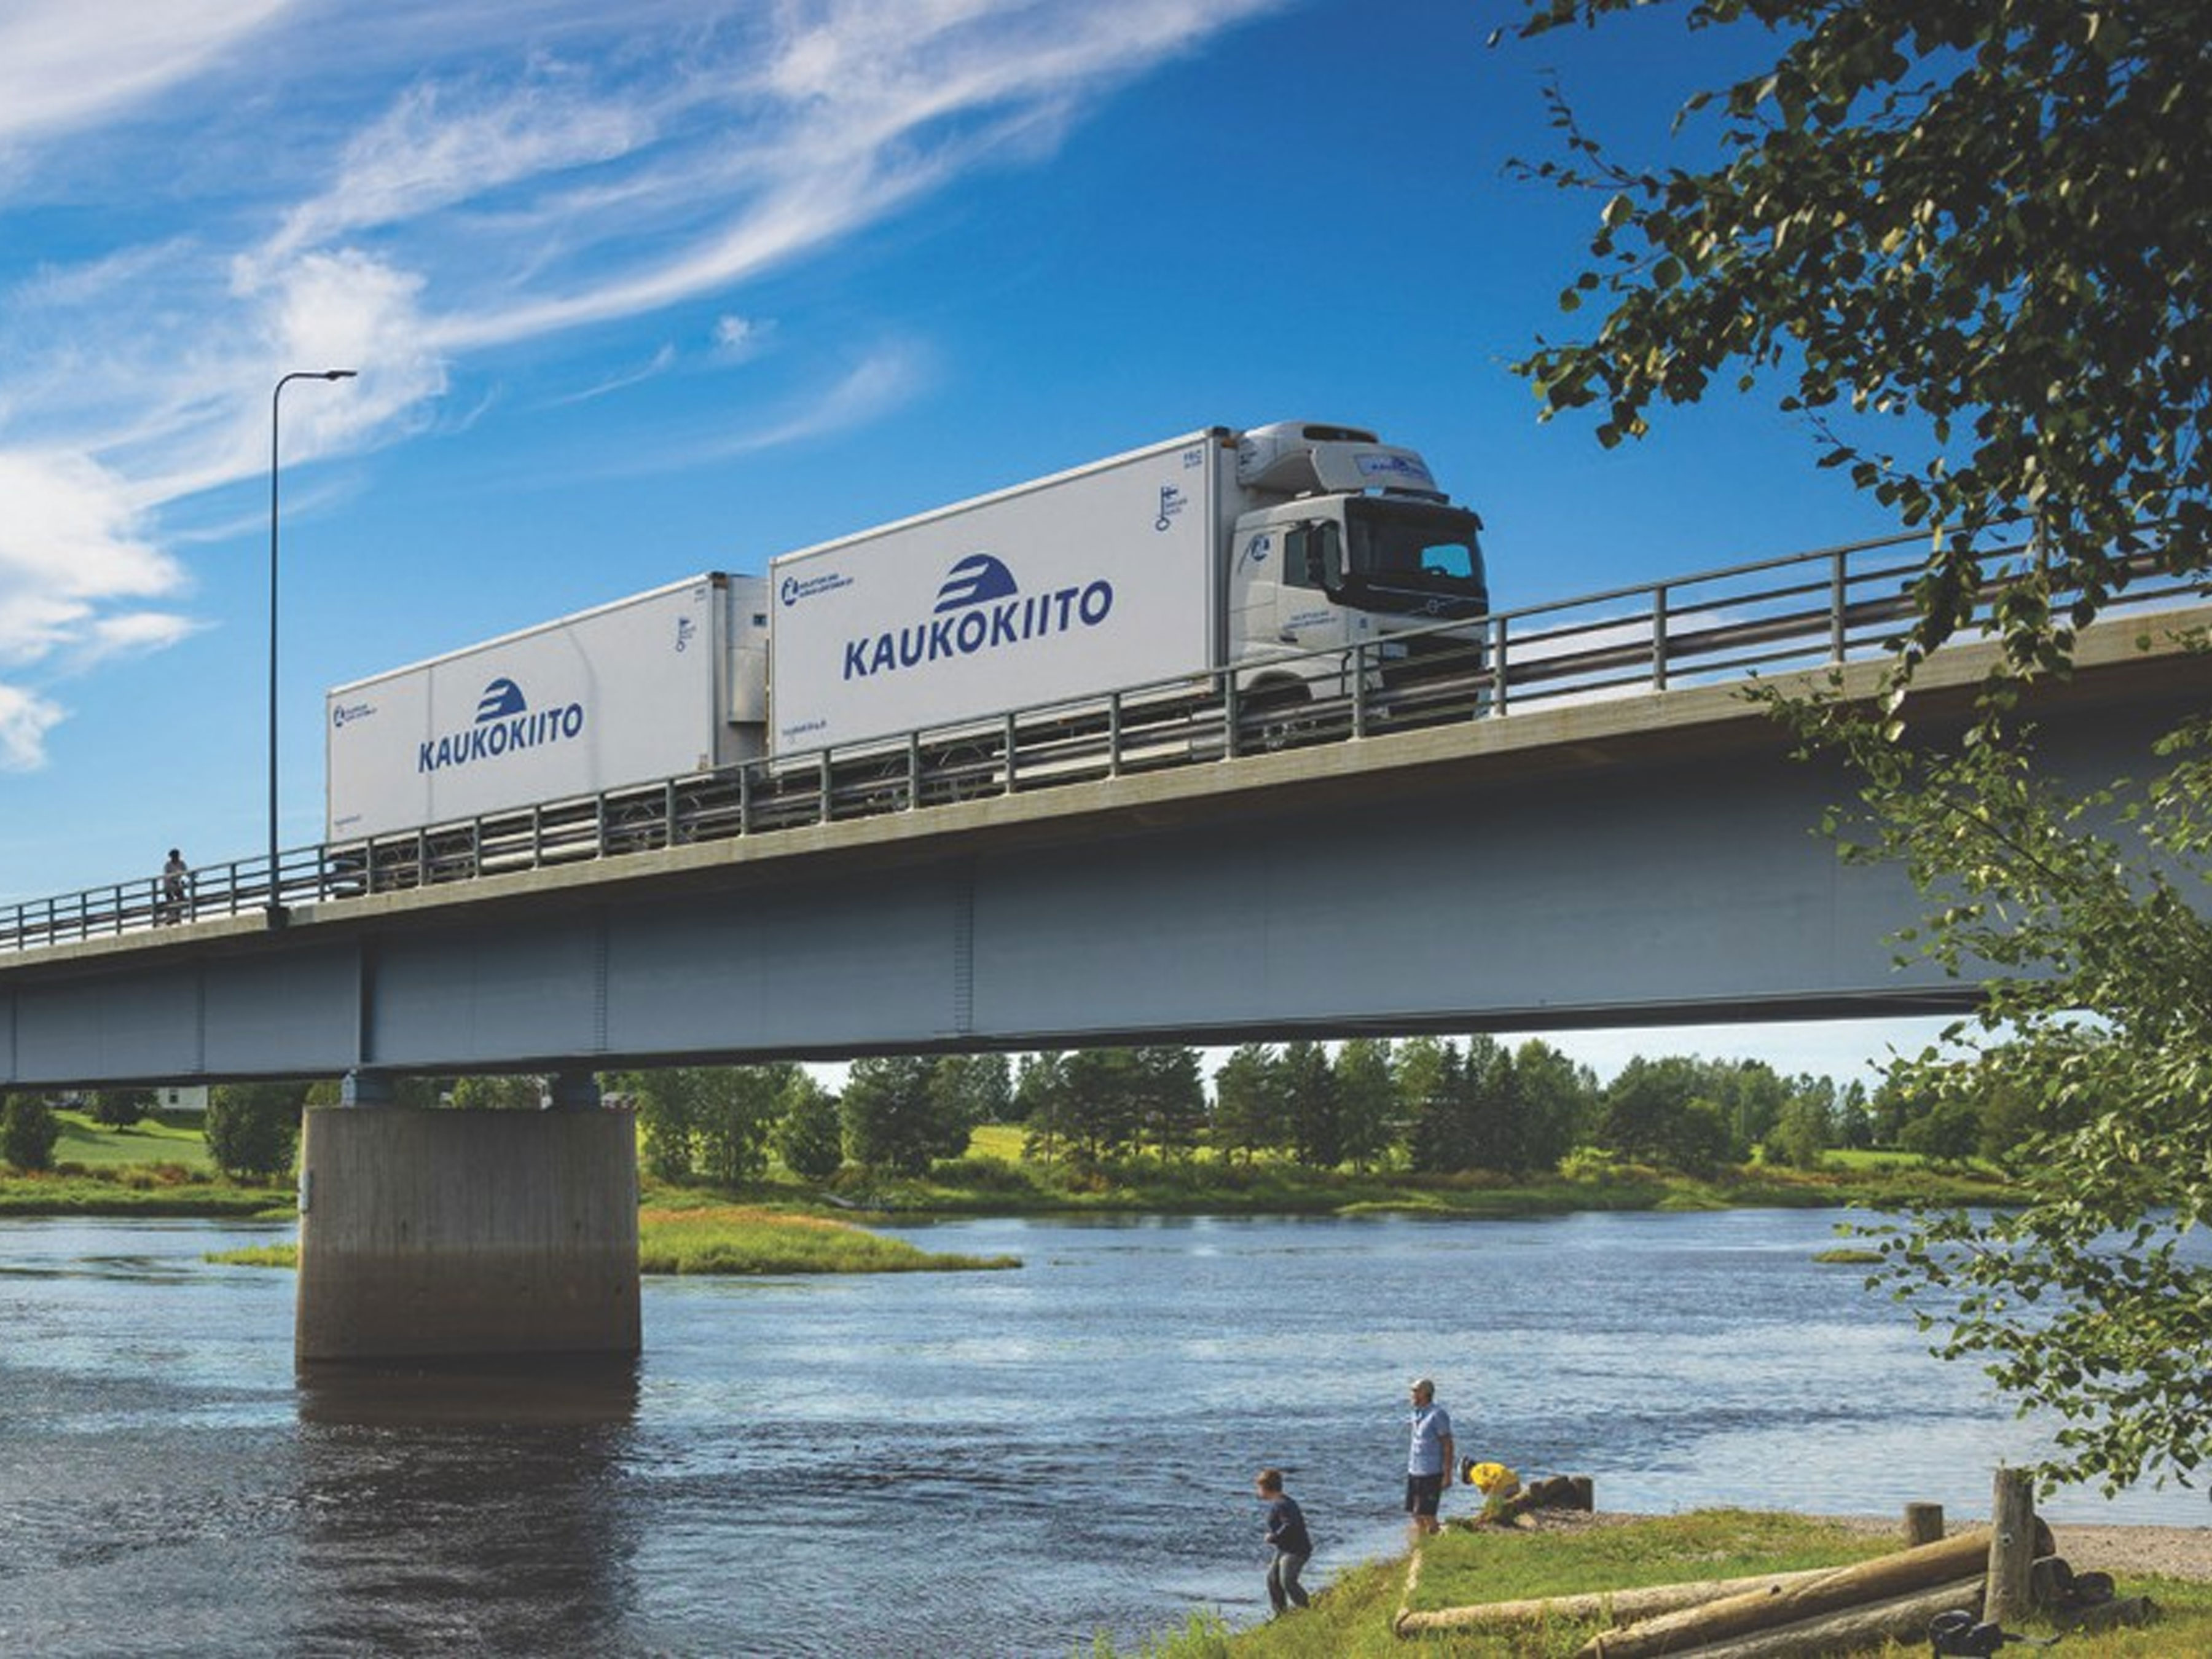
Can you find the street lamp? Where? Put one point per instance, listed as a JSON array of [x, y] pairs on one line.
[[276, 404]]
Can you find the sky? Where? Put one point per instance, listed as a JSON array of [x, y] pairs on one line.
[[638, 291]]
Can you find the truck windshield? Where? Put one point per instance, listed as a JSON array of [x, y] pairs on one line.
[[1410, 557]]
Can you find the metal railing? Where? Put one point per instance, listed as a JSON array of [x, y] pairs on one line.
[[1806, 610]]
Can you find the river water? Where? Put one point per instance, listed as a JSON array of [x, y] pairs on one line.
[[952, 1464]]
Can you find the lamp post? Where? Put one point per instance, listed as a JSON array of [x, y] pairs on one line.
[[275, 405]]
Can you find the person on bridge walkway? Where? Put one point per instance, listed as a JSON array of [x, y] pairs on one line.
[[1429, 1460], [174, 875], [1287, 1531]]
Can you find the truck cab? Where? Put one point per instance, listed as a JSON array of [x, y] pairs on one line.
[[1342, 540]]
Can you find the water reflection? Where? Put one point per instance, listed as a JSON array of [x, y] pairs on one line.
[[465, 1506]]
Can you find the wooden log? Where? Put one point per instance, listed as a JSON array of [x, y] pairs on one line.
[[1926, 1567], [1623, 1606], [2012, 1546], [1901, 1618], [1923, 1523]]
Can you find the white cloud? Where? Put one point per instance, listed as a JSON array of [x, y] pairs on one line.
[[25, 719], [396, 188], [64, 65]]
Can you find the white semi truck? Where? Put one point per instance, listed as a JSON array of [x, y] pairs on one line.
[[1259, 559]]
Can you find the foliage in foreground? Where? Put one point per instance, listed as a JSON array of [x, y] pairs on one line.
[[1989, 218], [2086, 917]]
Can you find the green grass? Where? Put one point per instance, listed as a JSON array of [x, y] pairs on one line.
[[994, 1180], [734, 1239], [171, 1137], [138, 1190], [744, 1239], [1352, 1618]]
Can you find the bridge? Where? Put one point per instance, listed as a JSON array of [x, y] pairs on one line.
[[1578, 820]]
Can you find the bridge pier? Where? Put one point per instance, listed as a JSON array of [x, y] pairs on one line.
[[442, 1233]]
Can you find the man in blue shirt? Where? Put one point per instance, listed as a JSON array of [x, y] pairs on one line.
[[1429, 1461]]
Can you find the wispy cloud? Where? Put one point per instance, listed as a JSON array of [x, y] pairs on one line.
[[452, 176]]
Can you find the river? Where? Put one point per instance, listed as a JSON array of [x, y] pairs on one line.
[[953, 1464]]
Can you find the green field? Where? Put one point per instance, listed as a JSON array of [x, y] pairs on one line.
[[172, 1138]]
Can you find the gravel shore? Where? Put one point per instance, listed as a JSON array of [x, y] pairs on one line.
[[2123, 1552]]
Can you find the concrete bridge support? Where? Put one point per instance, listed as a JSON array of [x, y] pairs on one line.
[[451, 1234]]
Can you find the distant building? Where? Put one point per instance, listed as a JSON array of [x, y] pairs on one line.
[[181, 1097]]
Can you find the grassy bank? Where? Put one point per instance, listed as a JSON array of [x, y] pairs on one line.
[[737, 1240], [1352, 1618], [994, 1179]]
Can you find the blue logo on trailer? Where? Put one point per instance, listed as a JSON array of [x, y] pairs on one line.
[[505, 724], [980, 607], [977, 579]]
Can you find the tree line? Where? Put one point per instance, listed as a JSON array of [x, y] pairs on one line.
[[1422, 1105]]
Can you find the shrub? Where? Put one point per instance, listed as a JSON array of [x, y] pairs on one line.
[[253, 1128], [119, 1109], [29, 1130]]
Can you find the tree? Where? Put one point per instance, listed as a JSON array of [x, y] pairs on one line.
[[1989, 218], [1559, 1099], [119, 1109], [810, 1137], [671, 1107], [739, 1106], [499, 1094], [1310, 1105], [1492, 1107], [1171, 1088], [1662, 1112], [2083, 918], [892, 1121], [1438, 1138], [1247, 1101], [1102, 1108], [1366, 1100], [973, 1088], [1803, 1133], [1041, 1100], [29, 1131], [253, 1128]]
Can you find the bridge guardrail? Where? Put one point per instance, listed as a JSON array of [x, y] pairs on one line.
[[1806, 611]]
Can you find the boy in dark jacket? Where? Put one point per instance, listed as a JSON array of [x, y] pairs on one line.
[[1287, 1531]]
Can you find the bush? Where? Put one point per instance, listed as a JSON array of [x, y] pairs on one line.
[[253, 1128], [119, 1109], [29, 1130]]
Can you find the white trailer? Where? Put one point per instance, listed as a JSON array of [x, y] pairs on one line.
[[650, 687], [1210, 551]]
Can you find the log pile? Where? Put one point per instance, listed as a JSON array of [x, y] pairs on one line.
[[1988, 1574]]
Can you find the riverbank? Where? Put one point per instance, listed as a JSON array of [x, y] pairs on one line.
[[1568, 1555]]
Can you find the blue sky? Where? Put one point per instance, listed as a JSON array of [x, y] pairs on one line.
[[637, 291]]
